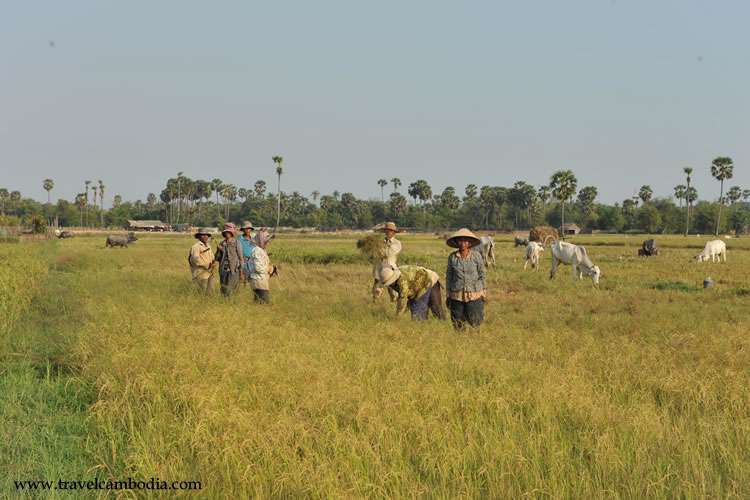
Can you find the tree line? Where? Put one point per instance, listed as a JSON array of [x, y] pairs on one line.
[[212, 202]]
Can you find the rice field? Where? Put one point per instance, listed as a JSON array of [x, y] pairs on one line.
[[114, 367]]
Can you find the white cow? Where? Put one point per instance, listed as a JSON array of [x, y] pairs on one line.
[[576, 256], [487, 248], [533, 249], [715, 250]]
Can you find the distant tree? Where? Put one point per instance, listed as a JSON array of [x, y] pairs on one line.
[[48, 185], [259, 188], [745, 195], [243, 193], [721, 168], [279, 161], [4, 197], [151, 201], [315, 194], [448, 198], [521, 197], [563, 184], [382, 183], [101, 201], [470, 192], [15, 199], [397, 205], [94, 190], [80, 202], [649, 218], [679, 192], [586, 198], [413, 191], [734, 194], [645, 193], [86, 207], [688, 205], [216, 185], [396, 183], [117, 201], [543, 193]]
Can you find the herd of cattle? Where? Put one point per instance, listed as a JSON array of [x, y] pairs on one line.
[[576, 256]]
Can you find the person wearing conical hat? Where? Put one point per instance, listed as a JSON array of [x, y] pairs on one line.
[[465, 280], [391, 249], [201, 261], [229, 257], [418, 289]]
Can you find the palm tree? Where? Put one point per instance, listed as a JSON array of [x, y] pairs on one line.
[[216, 186], [563, 184], [645, 193], [745, 195], [80, 201], [315, 194], [721, 168], [4, 195], [734, 194], [382, 183], [101, 200], [179, 195], [87, 201], [93, 192], [15, 199], [543, 193], [679, 192], [260, 188], [48, 185], [396, 183], [688, 172], [279, 161]]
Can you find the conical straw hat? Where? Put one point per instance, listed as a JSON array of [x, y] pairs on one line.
[[462, 233]]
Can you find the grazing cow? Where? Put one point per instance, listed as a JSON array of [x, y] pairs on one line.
[[520, 242], [715, 250], [487, 248], [63, 234], [120, 241], [576, 256], [533, 249], [648, 248]]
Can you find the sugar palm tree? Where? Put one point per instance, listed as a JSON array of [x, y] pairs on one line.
[[87, 183], [315, 194], [745, 195], [396, 183], [80, 202], [216, 186], [734, 194], [179, 195], [563, 184], [279, 161], [101, 200], [382, 183], [48, 185], [688, 173], [679, 193], [93, 194], [645, 193], [721, 168]]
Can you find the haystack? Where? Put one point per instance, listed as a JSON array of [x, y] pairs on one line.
[[543, 234]]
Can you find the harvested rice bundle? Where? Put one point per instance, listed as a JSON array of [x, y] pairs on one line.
[[372, 247]]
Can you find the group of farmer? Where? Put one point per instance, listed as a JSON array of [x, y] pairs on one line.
[[238, 259], [419, 288]]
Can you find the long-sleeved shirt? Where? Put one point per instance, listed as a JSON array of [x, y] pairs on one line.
[[465, 277], [229, 255], [392, 249], [414, 282], [201, 258], [258, 269]]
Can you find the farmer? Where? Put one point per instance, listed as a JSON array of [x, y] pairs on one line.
[[262, 238], [202, 261], [229, 257], [418, 289], [391, 250], [465, 280], [259, 270], [247, 242]]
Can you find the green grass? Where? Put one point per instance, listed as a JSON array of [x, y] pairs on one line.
[[637, 389]]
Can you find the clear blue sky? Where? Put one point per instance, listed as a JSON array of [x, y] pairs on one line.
[[624, 93]]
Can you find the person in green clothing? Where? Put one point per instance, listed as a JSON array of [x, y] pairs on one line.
[[418, 289]]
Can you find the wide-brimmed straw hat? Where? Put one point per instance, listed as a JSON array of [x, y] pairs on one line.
[[229, 228], [247, 225], [390, 226], [452, 240], [204, 230]]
